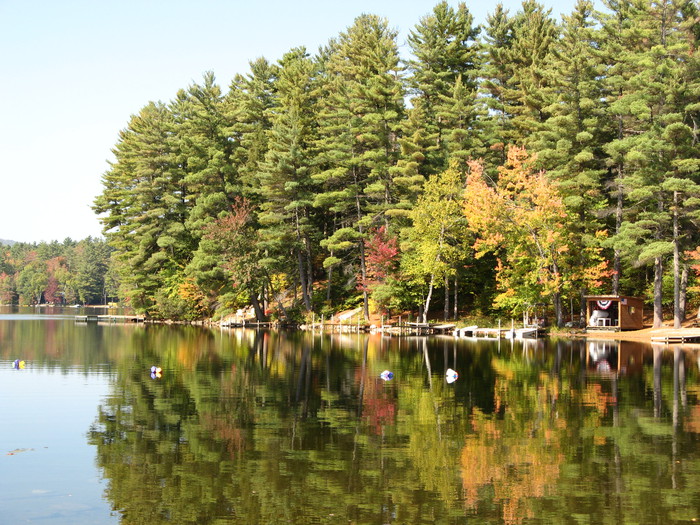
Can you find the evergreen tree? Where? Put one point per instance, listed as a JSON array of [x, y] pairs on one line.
[[496, 74], [204, 154], [142, 205], [88, 266], [248, 109], [233, 130], [657, 103], [615, 26], [569, 146], [360, 113], [518, 51], [287, 218], [443, 81]]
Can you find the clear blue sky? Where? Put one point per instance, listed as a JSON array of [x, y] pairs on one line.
[[73, 71]]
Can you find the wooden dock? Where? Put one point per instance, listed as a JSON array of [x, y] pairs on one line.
[[246, 324], [497, 333], [92, 318], [679, 336]]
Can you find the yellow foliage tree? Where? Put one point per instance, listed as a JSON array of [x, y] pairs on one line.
[[522, 219]]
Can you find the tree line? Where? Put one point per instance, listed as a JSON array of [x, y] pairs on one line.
[[519, 162], [59, 273]]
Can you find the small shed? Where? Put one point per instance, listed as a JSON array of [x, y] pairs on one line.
[[614, 312]]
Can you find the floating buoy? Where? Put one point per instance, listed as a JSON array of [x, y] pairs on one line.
[[156, 372], [451, 376], [18, 364], [387, 375]]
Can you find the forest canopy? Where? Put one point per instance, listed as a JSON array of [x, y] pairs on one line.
[[60, 273], [523, 161]]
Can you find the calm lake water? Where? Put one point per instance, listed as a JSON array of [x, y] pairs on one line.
[[256, 427]]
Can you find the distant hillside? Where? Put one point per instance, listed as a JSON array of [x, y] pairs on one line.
[[7, 243]]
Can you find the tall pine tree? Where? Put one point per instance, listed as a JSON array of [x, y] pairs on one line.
[[360, 114], [569, 145], [287, 217], [443, 79]]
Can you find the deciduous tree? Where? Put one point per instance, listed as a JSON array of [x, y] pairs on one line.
[[522, 218]]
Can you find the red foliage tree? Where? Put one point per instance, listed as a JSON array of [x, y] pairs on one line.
[[381, 258]]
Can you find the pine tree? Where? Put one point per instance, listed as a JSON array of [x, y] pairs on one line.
[[229, 134], [287, 218], [496, 73], [443, 81], [615, 26], [569, 146], [142, 205], [360, 113], [659, 143], [518, 51], [210, 182], [248, 109], [204, 152]]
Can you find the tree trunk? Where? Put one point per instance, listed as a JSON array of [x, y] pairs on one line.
[[617, 264], [363, 262], [265, 297], [426, 307], [677, 319], [454, 303], [446, 310], [683, 304], [658, 292], [259, 313], [328, 286], [309, 269], [556, 299], [558, 314], [363, 272], [303, 281]]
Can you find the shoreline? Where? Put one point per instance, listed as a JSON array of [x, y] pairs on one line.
[[644, 335]]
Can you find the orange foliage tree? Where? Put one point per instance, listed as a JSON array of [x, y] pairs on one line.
[[521, 218]]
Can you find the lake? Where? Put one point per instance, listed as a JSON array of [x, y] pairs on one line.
[[264, 427]]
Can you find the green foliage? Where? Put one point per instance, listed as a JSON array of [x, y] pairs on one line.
[[438, 240], [57, 273], [443, 79], [326, 149], [360, 111]]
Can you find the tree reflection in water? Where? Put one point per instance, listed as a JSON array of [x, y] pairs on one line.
[[262, 427]]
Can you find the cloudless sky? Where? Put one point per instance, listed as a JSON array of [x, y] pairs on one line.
[[73, 71]]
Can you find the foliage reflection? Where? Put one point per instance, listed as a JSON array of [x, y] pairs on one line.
[[260, 427]]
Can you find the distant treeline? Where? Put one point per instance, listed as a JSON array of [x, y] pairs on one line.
[[71, 272], [494, 169]]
